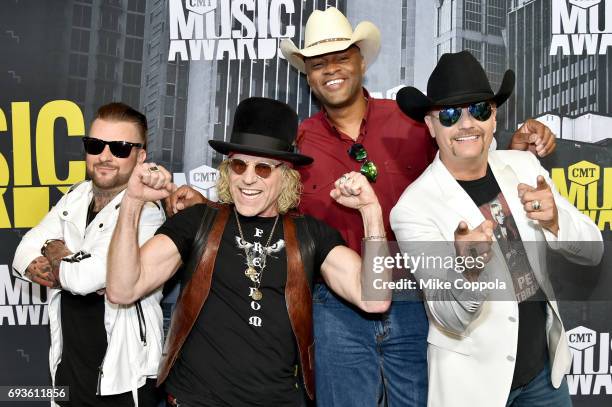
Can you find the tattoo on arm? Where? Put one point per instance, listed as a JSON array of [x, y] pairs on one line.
[[40, 272]]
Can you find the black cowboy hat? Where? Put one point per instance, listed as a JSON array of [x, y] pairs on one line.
[[263, 127], [457, 79]]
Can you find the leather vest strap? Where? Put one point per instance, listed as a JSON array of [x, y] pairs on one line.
[[193, 296], [299, 305]]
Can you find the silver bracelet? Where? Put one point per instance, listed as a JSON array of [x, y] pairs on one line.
[[366, 238]]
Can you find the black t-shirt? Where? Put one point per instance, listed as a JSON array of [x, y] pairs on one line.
[[532, 345], [241, 351], [83, 349], [83, 342]]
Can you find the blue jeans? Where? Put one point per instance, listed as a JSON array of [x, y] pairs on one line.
[[361, 359], [540, 392]]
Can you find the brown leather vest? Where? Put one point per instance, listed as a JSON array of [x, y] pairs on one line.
[[298, 295]]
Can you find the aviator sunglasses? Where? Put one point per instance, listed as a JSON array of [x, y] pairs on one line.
[[120, 149], [358, 152], [480, 111], [262, 169]]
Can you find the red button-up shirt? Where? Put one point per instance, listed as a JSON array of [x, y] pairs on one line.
[[400, 147]]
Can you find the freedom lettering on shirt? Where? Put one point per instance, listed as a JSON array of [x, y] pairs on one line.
[[258, 255]]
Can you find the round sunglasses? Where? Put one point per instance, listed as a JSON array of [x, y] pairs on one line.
[[120, 149], [480, 111], [262, 169]]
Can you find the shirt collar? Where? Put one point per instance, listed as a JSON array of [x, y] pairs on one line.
[[330, 126]]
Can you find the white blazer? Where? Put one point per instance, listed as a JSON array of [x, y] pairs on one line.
[[472, 343], [129, 361]]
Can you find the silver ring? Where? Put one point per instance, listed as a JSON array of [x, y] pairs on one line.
[[154, 169], [344, 178], [536, 205]]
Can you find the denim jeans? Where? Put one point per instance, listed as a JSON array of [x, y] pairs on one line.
[[361, 359], [540, 392]]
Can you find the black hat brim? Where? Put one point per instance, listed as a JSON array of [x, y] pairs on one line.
[[415, 104], [226, 148]]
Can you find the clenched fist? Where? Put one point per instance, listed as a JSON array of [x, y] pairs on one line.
[[150, 182], [353, 190], [183, 198]]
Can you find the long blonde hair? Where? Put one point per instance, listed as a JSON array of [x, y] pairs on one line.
[[291, 187]]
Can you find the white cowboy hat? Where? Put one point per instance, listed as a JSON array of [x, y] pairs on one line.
[[330, 31]]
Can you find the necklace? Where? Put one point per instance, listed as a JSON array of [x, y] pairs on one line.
[[251, 272]]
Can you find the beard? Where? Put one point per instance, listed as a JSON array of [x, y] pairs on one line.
[[107, 183]]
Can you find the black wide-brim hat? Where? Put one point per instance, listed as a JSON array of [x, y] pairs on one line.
[[263, 127], [457, 79]]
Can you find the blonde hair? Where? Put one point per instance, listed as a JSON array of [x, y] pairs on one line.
[[291, 187]]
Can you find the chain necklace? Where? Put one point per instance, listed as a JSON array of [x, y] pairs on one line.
[[251, 272]]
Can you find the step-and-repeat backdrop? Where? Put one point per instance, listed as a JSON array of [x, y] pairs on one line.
[[187, 63]]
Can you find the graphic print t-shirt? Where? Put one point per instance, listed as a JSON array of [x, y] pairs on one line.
[[532, 346], [241, 351]]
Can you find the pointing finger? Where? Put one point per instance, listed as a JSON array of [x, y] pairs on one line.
[[462, 229]]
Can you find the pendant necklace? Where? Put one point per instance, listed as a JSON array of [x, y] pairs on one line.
[[251, 272]]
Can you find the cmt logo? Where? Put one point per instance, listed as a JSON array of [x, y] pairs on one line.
[[583, 173], [589, 190], [201, 6], [204, 178], [581, 338]]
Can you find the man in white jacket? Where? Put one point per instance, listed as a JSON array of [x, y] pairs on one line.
[[490, 347], [106, 354]]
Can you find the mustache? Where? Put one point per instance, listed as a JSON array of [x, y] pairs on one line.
[[105, 165], [467, 133]]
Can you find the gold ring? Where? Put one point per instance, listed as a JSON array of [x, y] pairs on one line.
[[154, 169]]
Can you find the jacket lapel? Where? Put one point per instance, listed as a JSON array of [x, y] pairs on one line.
[[457, 199], [508, 181], [104, 218], [74, 212]]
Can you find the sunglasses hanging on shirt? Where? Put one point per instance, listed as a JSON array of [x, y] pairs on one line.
[[358, 152]]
